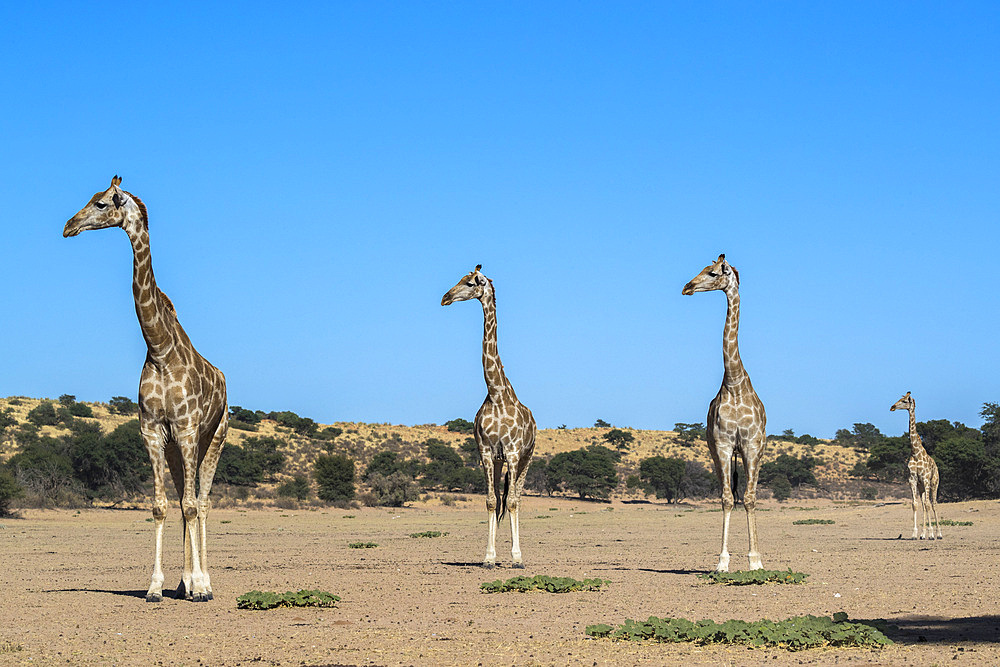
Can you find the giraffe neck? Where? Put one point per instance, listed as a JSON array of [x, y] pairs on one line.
[[916, 444], [733, 365], [496, 381], [151, 307]]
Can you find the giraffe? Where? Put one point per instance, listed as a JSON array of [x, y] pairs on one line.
[[923, 473], [183, 416], [736, 419], [504, 429]]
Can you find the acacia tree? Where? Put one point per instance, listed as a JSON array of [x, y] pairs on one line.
[[588, 472], [663, 476], [619, 439]]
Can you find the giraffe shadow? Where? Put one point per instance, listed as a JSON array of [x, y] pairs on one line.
[[478, 564], [141, 594], [941, 630], [655, 571]]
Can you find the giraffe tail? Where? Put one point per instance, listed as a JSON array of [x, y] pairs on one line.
[[502, 505]]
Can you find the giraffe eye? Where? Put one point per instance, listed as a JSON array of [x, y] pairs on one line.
[[713, 274], [101, 205]]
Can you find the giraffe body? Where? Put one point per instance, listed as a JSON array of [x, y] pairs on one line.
[[736, 419], [923, 474], [183, 415], [504, 428]]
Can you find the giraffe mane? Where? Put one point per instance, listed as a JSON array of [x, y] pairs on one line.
[[167, 301], [142, 209]]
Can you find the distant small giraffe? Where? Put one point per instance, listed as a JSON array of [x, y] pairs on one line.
[[736, 419], [504, 429], [182, 398], [923, 473]]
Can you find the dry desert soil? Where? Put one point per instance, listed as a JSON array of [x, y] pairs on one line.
[[74, 585]]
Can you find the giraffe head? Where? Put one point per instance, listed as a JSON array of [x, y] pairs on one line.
[[905, 403], [472, 286], [112, 208], [718, 275]]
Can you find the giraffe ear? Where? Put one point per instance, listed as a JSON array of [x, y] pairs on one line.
[[116, 181]]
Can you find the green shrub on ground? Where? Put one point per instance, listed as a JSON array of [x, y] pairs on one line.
[[794, 634], [334, 474], [949, 522], [302, 598], [9, 490], [361, 545], [460, 425], [751, 577], [43, 414], [429, 533], [813, 522], [542, 582]]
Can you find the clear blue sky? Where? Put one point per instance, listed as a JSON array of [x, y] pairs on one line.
[[318, 175]]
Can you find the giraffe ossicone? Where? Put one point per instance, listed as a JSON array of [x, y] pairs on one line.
[[736, 419], [923, 474], [183, 415], [504, 428]]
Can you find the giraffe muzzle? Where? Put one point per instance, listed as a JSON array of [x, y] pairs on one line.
[[688, 289]]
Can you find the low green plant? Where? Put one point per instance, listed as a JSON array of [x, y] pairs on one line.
[[429, 533], [794, 634], [542, 582], [362, 545], [302, 598], [813, 522], [751, 577], [949, 522]]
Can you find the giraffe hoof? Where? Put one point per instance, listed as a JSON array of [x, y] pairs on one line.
[[209, 596], [154, 597], [517, 566], [488, 565], [199, 597]]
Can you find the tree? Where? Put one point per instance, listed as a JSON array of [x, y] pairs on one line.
[[122, 405], [67, 399], [447, 471], [43, 414], [662, 476], [297, 487], [619, 439], [113, 465], [288, 419], [864, 436], [460, 426], [470, 451], [390, 490], [537, 477], [887, 459], [387, 463], [265, 451], [334, 474], [788, 434], [6, 420], [600, 423], [797, 471], [781, 488], [588, 472], [9, 490], [688, 433], [43, 468], [964, 467], [244, 415]]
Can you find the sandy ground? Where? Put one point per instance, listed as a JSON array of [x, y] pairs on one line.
[[74, 585]]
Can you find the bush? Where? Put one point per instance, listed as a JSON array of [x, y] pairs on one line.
[[386, 463], [303, 598], [537, 477], [6, 420], [754, 577], [122, 405], [238, 467], [797, 471], [9, 490], [301, 425], [243, 415], [460, 426], [44, 470], [297, 487], [470, 452], [81, 410], [662, 476], [688, 433], [330, 433], [334, 474], [781, 488], [391, 490], [265, 450], [619, 439], [445, 470], [113, 465], [588, 472], [964, 469], [542, 582], [44, 414]]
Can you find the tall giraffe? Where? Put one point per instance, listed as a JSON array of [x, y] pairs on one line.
[[504, 429], [736, 419], [182, 398], [923, 473]]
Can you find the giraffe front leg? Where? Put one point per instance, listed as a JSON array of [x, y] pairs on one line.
[[727, 510], [205, 476], [925, 505], [750, 505], [188, 444], [153, 439], [490, 559], [915, 503], [513, 505]]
